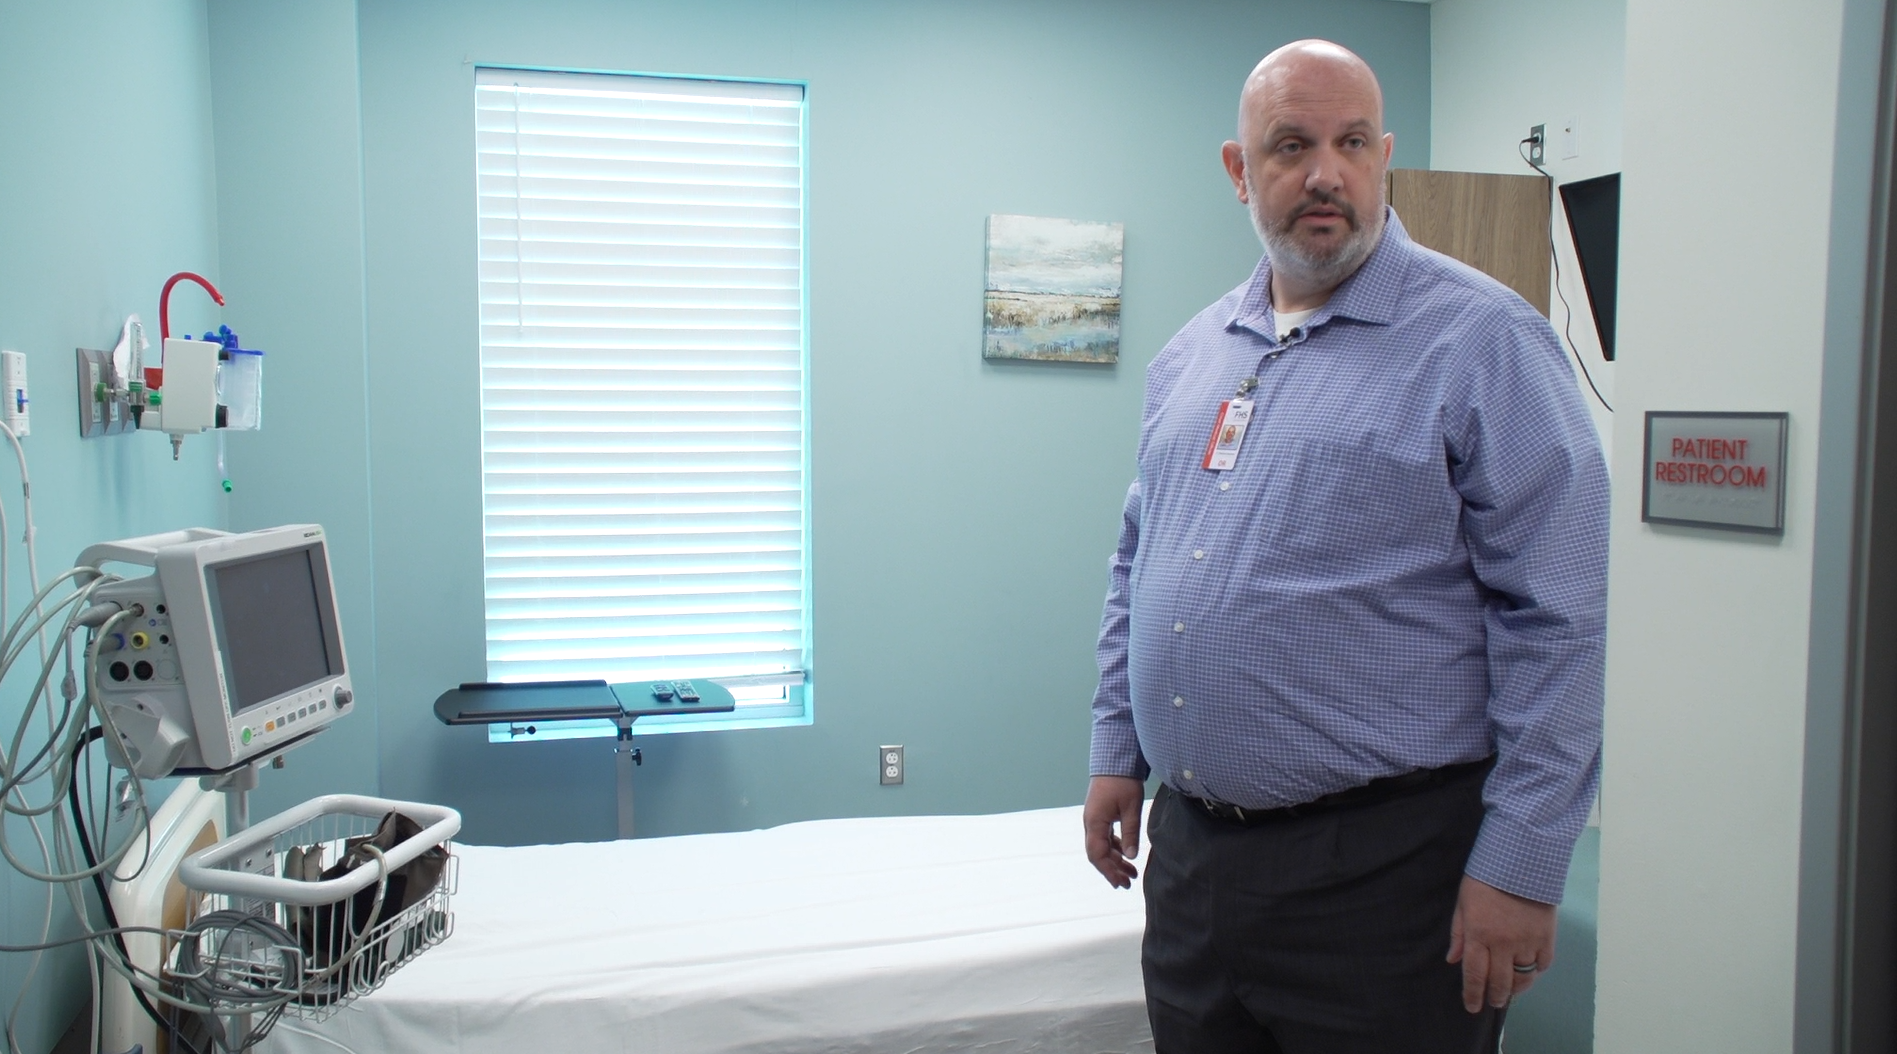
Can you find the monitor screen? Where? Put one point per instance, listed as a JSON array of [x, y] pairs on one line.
[[1593, 208], [270, 631]]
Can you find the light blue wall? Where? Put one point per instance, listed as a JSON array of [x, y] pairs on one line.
[[106, 187], [289, 164], [962, 510]]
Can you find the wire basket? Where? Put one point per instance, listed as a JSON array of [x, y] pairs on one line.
[[267, 938]]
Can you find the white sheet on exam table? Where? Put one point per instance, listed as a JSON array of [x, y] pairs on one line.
[[915, 934]]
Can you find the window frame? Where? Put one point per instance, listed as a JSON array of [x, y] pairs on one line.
[[797, 708]]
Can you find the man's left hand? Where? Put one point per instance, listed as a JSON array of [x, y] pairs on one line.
[[1492, 933]]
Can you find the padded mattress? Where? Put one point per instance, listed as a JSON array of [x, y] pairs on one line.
[[912, 934]]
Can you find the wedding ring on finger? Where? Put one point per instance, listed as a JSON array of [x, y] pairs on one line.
[[1527, 968]]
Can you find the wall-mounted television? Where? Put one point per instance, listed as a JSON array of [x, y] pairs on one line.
[[1593, 208]]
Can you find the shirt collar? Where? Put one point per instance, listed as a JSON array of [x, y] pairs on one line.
[[1369, 295]]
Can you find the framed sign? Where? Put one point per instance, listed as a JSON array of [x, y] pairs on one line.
[[1723, 470]]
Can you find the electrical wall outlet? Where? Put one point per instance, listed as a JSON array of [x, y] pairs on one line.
[[1537, 144], [889, 763]]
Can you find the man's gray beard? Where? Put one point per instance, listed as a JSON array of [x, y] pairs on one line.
[[1324, 270]]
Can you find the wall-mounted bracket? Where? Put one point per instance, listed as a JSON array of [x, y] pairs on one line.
[[103, 409]]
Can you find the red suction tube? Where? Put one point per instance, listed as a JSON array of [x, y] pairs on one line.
[[164, 299]]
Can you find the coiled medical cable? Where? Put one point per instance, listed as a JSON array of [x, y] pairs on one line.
[[62, 772], [64, 725], [220, 985], [12, 798], [112, 928], [10, 650]]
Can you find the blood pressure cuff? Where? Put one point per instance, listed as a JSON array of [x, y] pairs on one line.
[[323, 938], [407, 884]]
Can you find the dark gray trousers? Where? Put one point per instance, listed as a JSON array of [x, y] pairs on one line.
[[1320, 934]]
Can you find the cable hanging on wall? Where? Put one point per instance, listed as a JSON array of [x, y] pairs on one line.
[[1567, 319]]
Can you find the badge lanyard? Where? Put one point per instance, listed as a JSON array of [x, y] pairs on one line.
[[1235, 415], [1228, 429]]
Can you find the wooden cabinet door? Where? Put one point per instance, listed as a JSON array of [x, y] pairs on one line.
[[1494, 223]]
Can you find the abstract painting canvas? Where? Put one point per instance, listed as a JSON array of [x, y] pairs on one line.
[[1053, 289]]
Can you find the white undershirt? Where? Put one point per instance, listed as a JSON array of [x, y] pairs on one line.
[[1290, 320]]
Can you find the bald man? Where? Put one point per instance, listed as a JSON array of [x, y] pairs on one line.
[[1354, 620]]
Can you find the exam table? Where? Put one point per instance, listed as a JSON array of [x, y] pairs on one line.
[[917, 934], [925, 935]]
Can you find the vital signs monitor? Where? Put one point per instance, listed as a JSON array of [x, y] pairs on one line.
[[229, 651]]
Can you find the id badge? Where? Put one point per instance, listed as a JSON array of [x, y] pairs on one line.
[[1228, 431]]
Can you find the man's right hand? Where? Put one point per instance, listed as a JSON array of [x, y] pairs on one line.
[[1111, 800]]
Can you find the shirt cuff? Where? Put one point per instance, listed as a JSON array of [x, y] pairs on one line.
[[1117, 756], [1518, 859]]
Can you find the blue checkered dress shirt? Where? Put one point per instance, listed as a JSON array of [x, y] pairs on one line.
[[1407, 568]]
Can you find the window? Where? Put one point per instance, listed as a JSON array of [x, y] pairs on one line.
[[643, 416]]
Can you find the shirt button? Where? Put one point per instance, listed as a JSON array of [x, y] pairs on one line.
[[1178, 627], [1187, 774], [1225, 484], [1198, 554], [1176, 701]]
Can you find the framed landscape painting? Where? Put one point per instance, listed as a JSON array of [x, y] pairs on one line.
[[1053, 290]]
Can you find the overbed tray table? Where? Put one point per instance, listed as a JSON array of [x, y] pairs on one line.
[[511, 704]]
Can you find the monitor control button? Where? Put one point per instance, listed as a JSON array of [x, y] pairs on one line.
[[344, 697], [245, 736]]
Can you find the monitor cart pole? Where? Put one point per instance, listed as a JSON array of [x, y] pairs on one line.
[[237, 785]]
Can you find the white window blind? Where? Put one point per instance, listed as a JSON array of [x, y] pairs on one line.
[[642, 394]]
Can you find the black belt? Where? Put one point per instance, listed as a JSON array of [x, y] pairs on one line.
[[1377, 790]]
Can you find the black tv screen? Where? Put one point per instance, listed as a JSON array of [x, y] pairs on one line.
[[1593, 208]]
